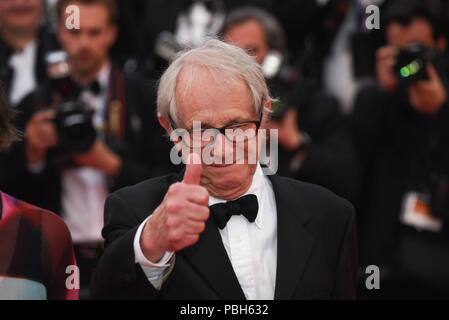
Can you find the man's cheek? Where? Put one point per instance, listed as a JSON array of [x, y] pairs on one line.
[[245, 153]]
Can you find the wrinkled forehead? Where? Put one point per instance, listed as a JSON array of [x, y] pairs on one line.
[[193, 77], [210, 89]]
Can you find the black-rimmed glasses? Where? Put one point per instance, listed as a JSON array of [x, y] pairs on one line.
[[236, 132]]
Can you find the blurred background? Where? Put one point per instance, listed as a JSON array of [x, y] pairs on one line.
[[362, 109]]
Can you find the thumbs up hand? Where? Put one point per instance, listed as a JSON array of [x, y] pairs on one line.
[[179, 220]]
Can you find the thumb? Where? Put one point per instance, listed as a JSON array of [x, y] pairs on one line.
[[193, 170]]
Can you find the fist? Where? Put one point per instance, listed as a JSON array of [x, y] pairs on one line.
[[385, 61], [41, 135], [100, 157], [180, 218], [428, 96]]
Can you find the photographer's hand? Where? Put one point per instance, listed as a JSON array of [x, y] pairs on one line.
[[428, 96], [40, 135], [100, 157], [385, 61]]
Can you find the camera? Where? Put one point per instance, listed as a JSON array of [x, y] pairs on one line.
[[74, 120], [75, 128], [411, 64]]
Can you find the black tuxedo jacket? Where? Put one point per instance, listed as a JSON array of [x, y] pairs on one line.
[[316, 257]]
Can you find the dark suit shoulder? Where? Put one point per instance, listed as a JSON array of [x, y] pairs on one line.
[[320, 202]]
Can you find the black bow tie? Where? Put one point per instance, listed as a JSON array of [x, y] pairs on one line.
[[93, 87], [246, 205]]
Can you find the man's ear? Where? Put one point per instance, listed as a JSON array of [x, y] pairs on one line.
[[266, 112], [267, 104], [165, 123], [112, 34], [441, 44]]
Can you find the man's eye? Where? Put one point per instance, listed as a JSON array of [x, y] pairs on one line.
[[74, 31], [95, 33], [251, 51]]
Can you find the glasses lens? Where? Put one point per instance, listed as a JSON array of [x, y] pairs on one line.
[[241, 132], [200, 138], [237, 133]]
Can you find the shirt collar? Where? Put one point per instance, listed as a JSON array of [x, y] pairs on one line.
[[26, 55], [257, 188], [103, 76]]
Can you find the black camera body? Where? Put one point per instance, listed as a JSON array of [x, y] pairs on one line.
[[74, 123], [74, 120], [411, 64]]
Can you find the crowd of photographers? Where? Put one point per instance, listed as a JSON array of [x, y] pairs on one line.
[[362, 112]]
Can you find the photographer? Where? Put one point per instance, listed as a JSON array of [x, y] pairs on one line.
[[79, 165], [24, 42], [314, 141], [400, 127]]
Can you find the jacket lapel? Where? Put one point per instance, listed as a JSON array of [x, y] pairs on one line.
[[208, 256], [294, 241]]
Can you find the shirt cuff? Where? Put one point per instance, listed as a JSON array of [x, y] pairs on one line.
[[155, 272]]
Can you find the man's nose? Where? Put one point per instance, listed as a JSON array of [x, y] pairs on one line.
[[221, 147], [84, 40]]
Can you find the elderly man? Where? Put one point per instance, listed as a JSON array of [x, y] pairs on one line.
[[223, 231]]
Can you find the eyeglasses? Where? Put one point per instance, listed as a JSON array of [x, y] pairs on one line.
[[236, 132]]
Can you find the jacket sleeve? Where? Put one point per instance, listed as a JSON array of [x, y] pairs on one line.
[[117, 275], [58, 249]]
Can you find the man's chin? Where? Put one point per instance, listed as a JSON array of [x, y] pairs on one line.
[[228, 179], [85, 66]]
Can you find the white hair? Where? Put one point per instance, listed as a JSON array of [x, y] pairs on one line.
[[224, 62]]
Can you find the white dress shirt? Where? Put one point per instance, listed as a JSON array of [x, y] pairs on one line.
[[251, 247], [84, 189], [23, 81]]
